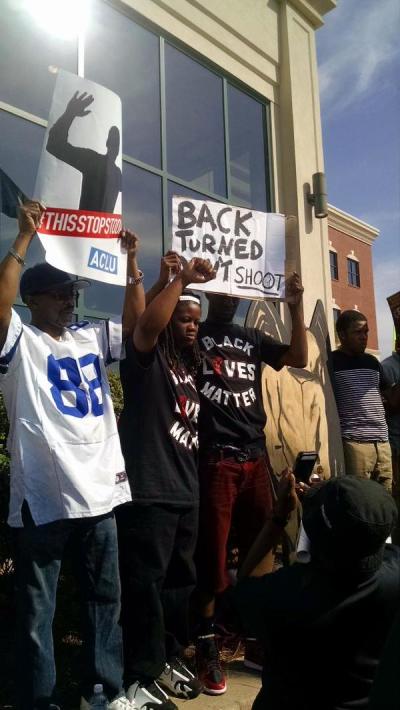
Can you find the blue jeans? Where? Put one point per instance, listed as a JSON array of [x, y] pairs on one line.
[[39, 549]]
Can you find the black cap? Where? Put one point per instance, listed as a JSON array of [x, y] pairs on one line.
[[348, 520], [44, 277]]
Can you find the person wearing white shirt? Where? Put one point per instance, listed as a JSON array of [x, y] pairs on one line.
[[67, 469]]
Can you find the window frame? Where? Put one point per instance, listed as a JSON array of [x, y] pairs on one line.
[[353, 274], [334, 267]]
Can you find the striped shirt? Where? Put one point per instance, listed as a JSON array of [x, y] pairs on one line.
[[357, 382]]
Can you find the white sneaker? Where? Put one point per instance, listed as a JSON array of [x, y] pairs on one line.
[[120, 703], [149, 697], [179, 680]]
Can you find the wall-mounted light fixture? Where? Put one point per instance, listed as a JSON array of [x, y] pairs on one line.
[[318, 198]]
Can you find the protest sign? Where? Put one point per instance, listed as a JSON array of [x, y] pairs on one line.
[[79, 181], [394, 305], [247, 248]]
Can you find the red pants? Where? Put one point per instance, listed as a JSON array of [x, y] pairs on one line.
[[229, 492]]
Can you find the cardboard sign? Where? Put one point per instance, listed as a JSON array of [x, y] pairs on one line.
[[247, 248], [80, 179]]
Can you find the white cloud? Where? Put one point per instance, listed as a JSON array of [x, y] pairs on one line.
[[353, 59], [386, 278]]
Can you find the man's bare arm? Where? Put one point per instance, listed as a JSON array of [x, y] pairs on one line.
[[297, 353], [261, 556], [29, 218], [134, 300]]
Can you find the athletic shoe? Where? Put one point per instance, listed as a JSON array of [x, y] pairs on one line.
[[149, 697], [253, 655], [179, 680], [120, 703], [209, 668]]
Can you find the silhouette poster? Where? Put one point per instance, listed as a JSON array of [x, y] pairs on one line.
[[246, 247], [80, 180]]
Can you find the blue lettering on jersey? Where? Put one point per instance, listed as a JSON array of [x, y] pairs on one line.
[[103, 261], [84, 391]]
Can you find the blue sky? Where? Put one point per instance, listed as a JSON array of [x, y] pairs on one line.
[[359, 73]]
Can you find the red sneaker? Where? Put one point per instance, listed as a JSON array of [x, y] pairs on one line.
[[209, 670]]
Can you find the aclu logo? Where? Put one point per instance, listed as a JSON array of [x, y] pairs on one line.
[[103, 260]]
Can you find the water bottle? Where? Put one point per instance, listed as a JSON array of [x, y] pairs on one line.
[[98, 699]]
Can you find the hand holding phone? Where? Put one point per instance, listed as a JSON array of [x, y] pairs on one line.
[[304, 465]]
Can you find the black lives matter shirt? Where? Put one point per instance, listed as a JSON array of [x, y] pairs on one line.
[[158, 429], [229, 383]]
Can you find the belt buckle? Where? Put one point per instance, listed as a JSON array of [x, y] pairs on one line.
[[242, 457]]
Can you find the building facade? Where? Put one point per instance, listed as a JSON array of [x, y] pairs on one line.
[[220, 101], [350, 259]]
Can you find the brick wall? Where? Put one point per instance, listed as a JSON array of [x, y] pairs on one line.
[[347, 296]]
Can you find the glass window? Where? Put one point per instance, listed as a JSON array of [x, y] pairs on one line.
[[142, 214], [29, 58], [124, 57], [20, 148], [247, 150], [353, 272], [333, 262], [195, 125], [180, 191]]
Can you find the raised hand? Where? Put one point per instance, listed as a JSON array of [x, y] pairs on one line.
[[77, 106], [170, 264], [130, 242], [197, 271], [294, 289], [29, 217]]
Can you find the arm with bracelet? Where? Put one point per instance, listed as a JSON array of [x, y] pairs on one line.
[[29, 218]]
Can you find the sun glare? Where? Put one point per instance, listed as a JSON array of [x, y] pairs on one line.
[[65, 19]]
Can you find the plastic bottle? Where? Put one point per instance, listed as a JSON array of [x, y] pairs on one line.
[[98, 699]]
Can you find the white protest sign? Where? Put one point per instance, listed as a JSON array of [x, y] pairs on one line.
[[246, 247], [79, 181]]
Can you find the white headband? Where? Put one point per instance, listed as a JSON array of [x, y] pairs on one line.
[[189, 297]]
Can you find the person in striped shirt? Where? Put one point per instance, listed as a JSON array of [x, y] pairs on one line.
[[359, 384]]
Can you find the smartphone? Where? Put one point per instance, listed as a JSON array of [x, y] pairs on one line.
[[304, 465]]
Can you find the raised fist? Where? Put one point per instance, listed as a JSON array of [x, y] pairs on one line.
[[130, 242], [197, 271], [29, 217]]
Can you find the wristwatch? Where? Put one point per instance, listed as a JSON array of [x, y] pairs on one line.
[[132, 281]]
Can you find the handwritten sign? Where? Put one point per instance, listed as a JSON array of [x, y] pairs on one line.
[[247, 248], [79, 180]]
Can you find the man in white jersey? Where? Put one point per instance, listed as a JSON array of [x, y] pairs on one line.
[[67, 469]]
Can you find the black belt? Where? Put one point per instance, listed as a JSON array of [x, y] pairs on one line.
[[241, 455]]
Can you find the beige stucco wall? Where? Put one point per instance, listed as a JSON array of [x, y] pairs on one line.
[[270, 46]]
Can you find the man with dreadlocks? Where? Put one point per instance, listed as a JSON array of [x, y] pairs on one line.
[[158, 531]]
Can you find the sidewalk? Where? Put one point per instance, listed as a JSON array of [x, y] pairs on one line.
[[243, 686]]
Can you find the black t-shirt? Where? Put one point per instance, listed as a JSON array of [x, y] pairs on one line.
[[357, 382], [158, 429], [229, 383], [323, 634]]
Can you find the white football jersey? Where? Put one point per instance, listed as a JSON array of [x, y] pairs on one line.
[[66, 459]]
